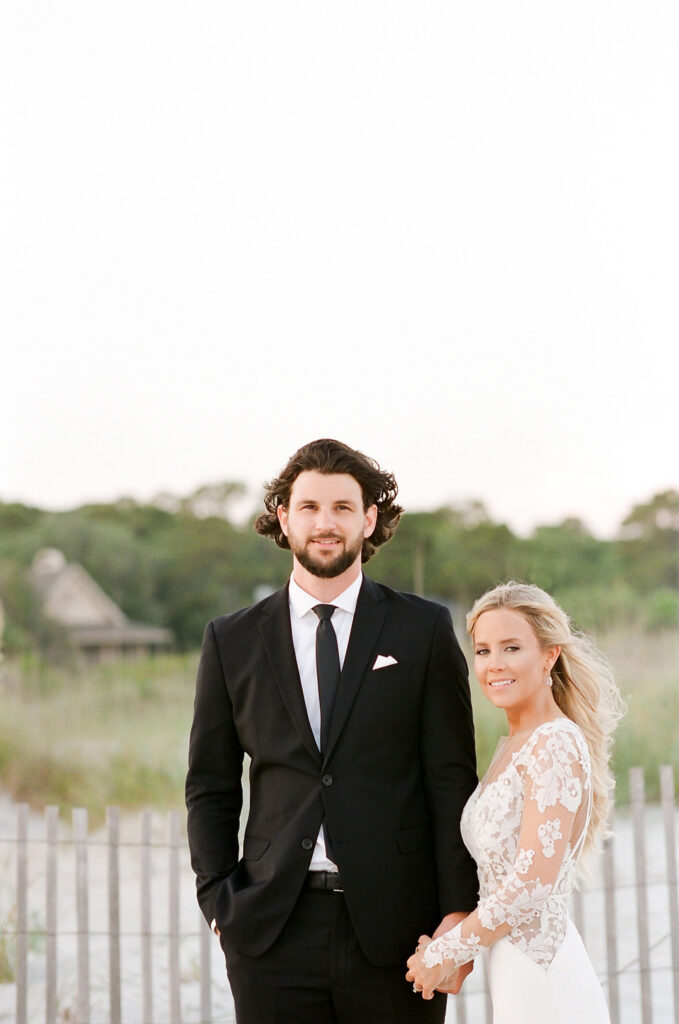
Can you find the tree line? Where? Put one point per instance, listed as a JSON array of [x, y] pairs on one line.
[[177, 562]]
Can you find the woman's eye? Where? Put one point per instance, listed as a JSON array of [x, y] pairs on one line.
[[512, 647], [482, 650]]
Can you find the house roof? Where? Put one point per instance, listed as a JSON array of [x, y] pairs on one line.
[[72, 598]]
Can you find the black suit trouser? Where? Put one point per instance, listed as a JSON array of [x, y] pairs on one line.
[[316, 973]]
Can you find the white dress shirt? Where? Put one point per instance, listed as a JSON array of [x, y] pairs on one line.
[[304, 622]]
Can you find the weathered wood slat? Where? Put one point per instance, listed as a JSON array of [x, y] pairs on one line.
[[474, 1002], [146, 925], [113, 823], [668, 809], [611, 927], [51, 882], [206, 940], [82, 913], [636, 777], [21, 947], [173, 886]]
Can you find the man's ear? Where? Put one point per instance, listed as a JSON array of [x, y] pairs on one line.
[[370, 521], [282, 514]]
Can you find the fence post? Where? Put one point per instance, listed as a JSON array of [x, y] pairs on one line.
[[82, 910], [21, 947], [667, 797], [175, 847], [611, 926], [206, 940], [113, 822], [636, 778], [173, 893], [146, 955], [51, 830]]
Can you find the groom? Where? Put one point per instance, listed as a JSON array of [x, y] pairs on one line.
[[352, 702]]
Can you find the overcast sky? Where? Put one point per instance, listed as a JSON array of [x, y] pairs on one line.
[[445, 233]]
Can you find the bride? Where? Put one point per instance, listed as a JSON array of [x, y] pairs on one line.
[[542, 802]]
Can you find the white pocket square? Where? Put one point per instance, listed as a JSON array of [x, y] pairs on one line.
[[382, 660]]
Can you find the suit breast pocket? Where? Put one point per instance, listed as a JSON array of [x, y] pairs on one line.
[[384, 674]]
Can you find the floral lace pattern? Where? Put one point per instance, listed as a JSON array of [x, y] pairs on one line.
[[526, 855], [549, 833]]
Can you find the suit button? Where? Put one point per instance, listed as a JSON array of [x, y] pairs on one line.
[[327, 780], [307, 844]]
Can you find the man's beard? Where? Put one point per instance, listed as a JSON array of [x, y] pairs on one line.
[[326, 569]]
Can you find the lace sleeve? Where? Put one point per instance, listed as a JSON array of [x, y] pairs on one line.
[[555, 774]]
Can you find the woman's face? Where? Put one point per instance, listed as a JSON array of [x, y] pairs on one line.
[[510, 664]]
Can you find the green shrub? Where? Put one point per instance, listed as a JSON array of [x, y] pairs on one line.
[[661, 609]]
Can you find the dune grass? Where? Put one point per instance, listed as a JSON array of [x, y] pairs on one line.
[[104, 734], [117, 733]]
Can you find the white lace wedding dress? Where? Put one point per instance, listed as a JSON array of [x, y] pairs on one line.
[[525, 825]]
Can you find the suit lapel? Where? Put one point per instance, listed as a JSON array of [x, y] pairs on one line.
[[370, 613], [276, 634]]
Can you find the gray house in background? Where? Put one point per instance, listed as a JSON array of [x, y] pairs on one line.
[[95, 624]]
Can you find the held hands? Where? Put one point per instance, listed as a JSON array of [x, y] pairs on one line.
[[428, 979], [445, 977], [455, 980]]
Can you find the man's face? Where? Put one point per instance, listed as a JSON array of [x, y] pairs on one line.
[[325, 522]]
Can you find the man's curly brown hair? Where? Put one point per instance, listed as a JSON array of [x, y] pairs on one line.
[[327, 456]]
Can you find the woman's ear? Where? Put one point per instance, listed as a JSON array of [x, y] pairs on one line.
[[552, 656]]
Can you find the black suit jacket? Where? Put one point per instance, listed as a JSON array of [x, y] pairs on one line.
[[398, 770]]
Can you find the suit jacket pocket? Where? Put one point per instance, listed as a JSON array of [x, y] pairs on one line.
[[254, 847], [415, 837], [402, 665]]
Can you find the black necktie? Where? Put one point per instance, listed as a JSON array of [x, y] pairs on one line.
[[328, 671], [327, 667]]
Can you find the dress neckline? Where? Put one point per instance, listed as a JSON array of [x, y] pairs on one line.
[[526, 735], [531, 729]]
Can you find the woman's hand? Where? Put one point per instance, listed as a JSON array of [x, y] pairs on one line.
[[427, 979], [455, 979]]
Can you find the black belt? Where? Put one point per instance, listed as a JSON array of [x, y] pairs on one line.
[[324, 881]]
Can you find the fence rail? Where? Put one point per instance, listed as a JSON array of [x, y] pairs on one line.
[[102, 928]]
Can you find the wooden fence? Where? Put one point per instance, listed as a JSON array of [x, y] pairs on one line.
[[86, 941]]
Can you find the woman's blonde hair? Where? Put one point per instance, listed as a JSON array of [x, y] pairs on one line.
[[583, 684]]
